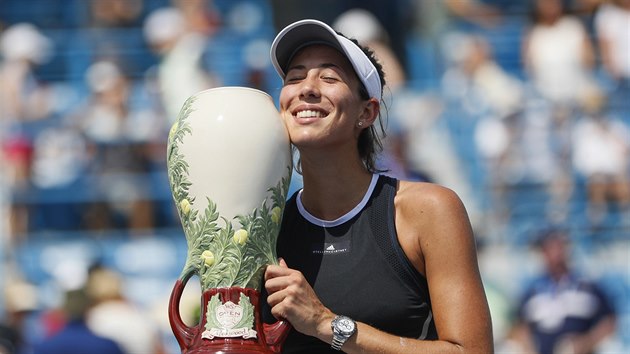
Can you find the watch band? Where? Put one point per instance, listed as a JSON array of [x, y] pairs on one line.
[[337, 343]]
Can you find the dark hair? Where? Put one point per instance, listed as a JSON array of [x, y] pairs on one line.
[[370, 142]]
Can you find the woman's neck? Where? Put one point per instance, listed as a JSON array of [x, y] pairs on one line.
[[331, 190]]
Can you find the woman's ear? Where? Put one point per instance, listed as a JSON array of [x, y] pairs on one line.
[[370, 112]]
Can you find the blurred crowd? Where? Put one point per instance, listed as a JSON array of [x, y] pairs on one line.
[[522, 107]]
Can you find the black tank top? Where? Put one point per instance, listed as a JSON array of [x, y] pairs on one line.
[[357, 267]]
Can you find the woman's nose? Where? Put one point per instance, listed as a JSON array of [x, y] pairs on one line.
[[309, 87]]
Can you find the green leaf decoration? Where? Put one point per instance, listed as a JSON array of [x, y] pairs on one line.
[[247, 321], [233, 261], [211, 319]]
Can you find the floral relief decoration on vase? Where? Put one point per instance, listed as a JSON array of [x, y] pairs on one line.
[[220, 254]]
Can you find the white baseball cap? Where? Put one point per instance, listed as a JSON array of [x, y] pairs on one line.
[[307, 32]]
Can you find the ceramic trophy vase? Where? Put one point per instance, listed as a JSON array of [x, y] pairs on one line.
[[229, 168]]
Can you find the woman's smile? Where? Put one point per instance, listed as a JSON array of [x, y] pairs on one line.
[[309, 114]]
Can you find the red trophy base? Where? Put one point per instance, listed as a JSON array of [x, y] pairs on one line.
[[197, 340]]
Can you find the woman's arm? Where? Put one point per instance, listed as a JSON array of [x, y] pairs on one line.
[[435, 232]]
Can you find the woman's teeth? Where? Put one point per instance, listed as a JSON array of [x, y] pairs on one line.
[[309, 114]]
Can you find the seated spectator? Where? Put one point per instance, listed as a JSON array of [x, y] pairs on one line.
[[601, 155], [558, 54], [118, 135], [58, 158], [562, 311], [180, 72], [114, 316], [23, 98], [611, 30], [492, 99], [475, 80], [76, 337], [558, 58]]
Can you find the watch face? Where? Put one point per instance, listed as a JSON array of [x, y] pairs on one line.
[[345, 325]]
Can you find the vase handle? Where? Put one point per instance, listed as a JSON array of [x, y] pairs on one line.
[[275, 334], [183, 333]]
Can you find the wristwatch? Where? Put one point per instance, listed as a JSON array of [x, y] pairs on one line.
[[343, 327]]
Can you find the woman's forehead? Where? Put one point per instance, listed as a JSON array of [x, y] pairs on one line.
[[318, 54]]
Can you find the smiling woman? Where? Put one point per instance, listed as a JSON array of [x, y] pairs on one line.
[[369, 263], [320, 98]]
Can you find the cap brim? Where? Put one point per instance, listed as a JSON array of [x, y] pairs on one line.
[[297, 36], [308, 32]]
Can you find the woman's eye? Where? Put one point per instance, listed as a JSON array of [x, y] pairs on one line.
[[293, 78]]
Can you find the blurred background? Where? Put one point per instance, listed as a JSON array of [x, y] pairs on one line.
[[520, 106]]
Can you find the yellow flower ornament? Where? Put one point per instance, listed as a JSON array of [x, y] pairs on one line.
[[184, 206], [276, 214], [174, 128], [208, 257], [240, 236]]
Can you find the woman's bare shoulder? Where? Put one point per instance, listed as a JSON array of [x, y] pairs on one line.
[[430, 207], [430, 196]]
